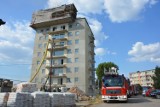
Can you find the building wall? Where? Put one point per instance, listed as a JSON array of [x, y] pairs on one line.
[[144, 78], [85, 75]]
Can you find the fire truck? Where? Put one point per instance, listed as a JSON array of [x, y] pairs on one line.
[[114, 86]]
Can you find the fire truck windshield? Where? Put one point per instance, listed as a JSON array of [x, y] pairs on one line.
[[111, 81]]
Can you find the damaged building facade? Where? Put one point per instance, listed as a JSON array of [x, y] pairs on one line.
[[72, 55]]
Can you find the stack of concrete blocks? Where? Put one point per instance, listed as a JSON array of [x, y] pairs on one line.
[[27, 87], [69, 99], [3, 99], [41, 99], [19, 100], [57, 99], [62, 99]]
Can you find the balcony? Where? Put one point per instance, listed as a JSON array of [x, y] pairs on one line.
[[56, 65], [92, 52], [54, 57], [58, 31], [92, 61], [58, 75], [58, 47]]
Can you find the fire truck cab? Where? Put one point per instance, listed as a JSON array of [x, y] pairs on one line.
[[114, 87]]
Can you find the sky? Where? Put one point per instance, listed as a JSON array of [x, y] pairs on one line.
[[127, 33]]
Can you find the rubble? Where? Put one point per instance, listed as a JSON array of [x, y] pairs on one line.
[[80, 95]]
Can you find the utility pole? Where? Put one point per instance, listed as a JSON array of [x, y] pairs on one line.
[[51, 72]]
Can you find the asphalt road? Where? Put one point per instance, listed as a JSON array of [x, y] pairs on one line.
[[135, 101]]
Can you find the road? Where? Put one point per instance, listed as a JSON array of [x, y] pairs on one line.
[[135, 101]]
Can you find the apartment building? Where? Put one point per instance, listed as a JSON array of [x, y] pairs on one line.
[[144, 78], [70, 53]]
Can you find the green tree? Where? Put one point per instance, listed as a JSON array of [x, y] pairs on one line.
[[100, 70], [156, 78]]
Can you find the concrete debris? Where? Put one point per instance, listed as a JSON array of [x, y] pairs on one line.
[[3, 99], [80, 95], [27, 87]]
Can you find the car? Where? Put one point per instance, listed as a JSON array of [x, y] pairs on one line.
[[155, 93], [148, 92]]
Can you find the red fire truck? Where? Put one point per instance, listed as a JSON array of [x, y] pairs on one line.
[[114, 86]]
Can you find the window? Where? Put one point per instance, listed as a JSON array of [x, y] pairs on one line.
[[39, 45], [41, 30], [40, 38], [42, 80], [76, 60], [61, 43], [60, 61], [58, 36], [44, 62], [77, 41], [76, 69], [58, 53], [47, 30], [77, 33], [69, 42], [69, 51], [63, 27], [36, 80], [77, 24], [69, 33], [45, 44], [38, 54], [46, 37], [58, 71], [68, 80], [38, 62], [70, 26], [76, 79], [68, 70], [76, 51], [54, 28], [43, 71], [69, 60]]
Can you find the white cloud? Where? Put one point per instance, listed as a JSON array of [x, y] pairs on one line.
[[16, 42], [141, 52], [126, 10], [83, 6], [100, 51]]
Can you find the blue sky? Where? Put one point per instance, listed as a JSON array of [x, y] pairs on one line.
[[127, 32]]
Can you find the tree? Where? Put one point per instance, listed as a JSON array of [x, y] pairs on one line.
[[156, 78], [100, 70]]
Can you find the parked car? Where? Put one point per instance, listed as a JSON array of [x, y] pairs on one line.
[[148, 92], [155, 93]]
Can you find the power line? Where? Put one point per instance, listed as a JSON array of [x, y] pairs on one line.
[[13, 79]]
